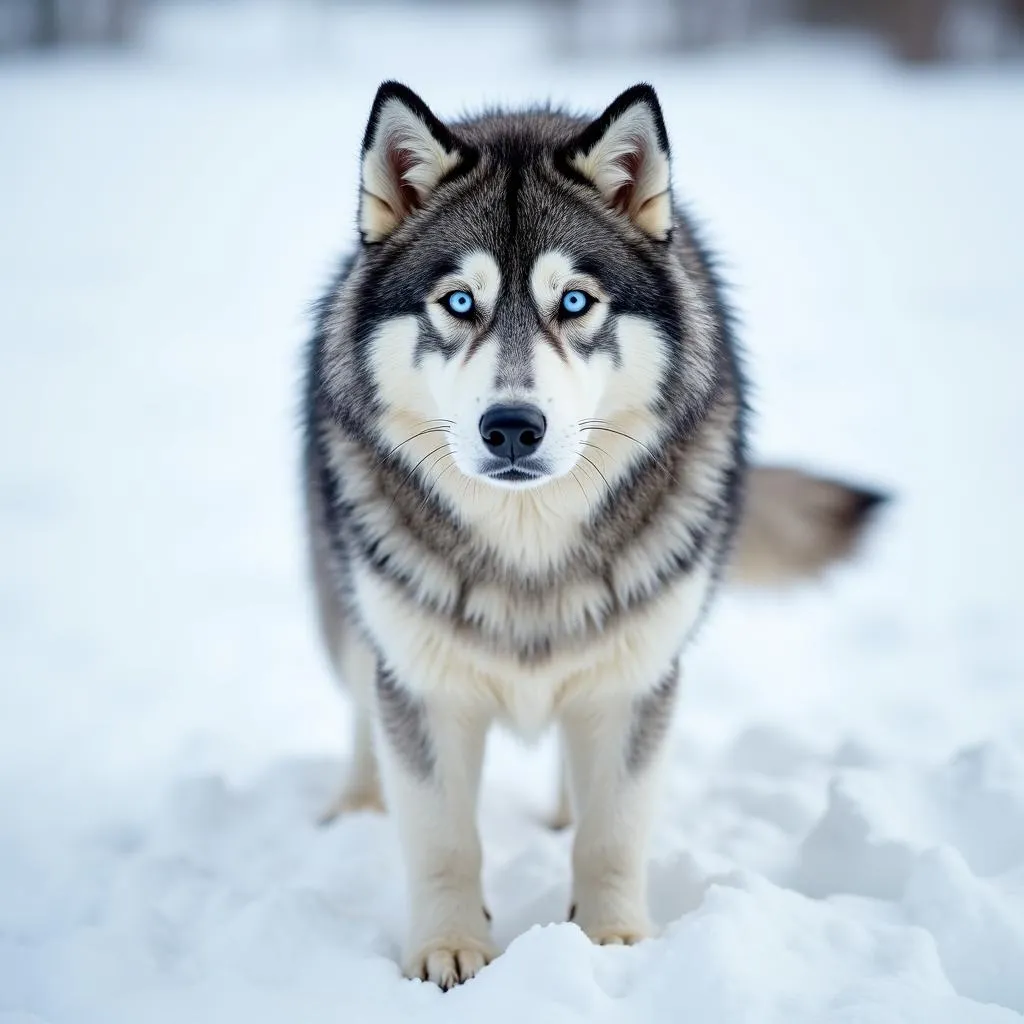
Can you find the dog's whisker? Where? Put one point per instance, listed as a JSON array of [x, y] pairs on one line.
[[594, 425], [412, 437], [408, 476], [590, 444], [598, 468], [586, 497], [431, 485], [440, 476], [465, 490]]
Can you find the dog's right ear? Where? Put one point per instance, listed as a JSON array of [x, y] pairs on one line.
[[406, 152]]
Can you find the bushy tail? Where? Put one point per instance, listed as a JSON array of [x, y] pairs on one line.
[[794, 525]]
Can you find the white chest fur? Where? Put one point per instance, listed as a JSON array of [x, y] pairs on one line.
[[434, 655]]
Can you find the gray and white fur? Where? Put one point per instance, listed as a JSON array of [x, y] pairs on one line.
[[524, 466]]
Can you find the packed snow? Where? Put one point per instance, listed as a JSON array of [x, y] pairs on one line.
[[842, 833]]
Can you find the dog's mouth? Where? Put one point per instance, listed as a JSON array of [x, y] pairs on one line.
[[512, 475], [515, 475]]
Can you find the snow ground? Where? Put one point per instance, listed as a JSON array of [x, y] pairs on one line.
[[843, 834]]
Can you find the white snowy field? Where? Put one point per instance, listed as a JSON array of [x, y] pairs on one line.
[[842, 838]]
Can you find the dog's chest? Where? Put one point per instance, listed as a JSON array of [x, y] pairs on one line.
[[480, 609], [525, 672]]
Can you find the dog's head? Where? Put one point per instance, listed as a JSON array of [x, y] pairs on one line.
[[521, 305]]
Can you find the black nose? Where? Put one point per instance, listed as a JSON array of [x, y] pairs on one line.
[[512, 431]]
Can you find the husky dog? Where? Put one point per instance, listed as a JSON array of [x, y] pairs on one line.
[[524, 460]]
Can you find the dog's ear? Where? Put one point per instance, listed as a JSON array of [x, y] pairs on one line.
[[624, 155], [406, 152]]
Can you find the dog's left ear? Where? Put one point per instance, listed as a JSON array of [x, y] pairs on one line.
[[624, 155], [407, 151]]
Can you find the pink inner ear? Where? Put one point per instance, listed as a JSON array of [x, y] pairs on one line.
[[631, 164], [399, 162]]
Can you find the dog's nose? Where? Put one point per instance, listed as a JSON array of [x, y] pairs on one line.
[[512, 431]]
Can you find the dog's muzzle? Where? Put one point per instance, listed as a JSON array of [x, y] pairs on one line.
[[512, 436], [512, 433]]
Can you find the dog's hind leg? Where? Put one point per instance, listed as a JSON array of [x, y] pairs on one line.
[[355, 664], [361, 790], [353, 659]]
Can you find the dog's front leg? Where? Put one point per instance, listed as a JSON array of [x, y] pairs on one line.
[[431, 752], [615, 751]]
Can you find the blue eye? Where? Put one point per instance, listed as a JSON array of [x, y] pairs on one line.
[[460, 304], [575, 303]]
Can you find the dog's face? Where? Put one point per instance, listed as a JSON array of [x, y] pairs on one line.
[[519, 306]]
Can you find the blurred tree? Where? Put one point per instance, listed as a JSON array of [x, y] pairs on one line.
[[917, 31], [51, 23], [916, 28], [122, 20], [48, 24]]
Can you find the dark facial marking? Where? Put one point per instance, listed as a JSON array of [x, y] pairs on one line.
[[515, 325], [555, 342], [515, 184]]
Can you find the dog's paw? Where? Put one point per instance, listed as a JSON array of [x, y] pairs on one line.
[[449, 962], [617, 936], [352, 799], [612, 932]]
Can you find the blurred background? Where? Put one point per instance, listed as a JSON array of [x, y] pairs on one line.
[[912, 30]]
